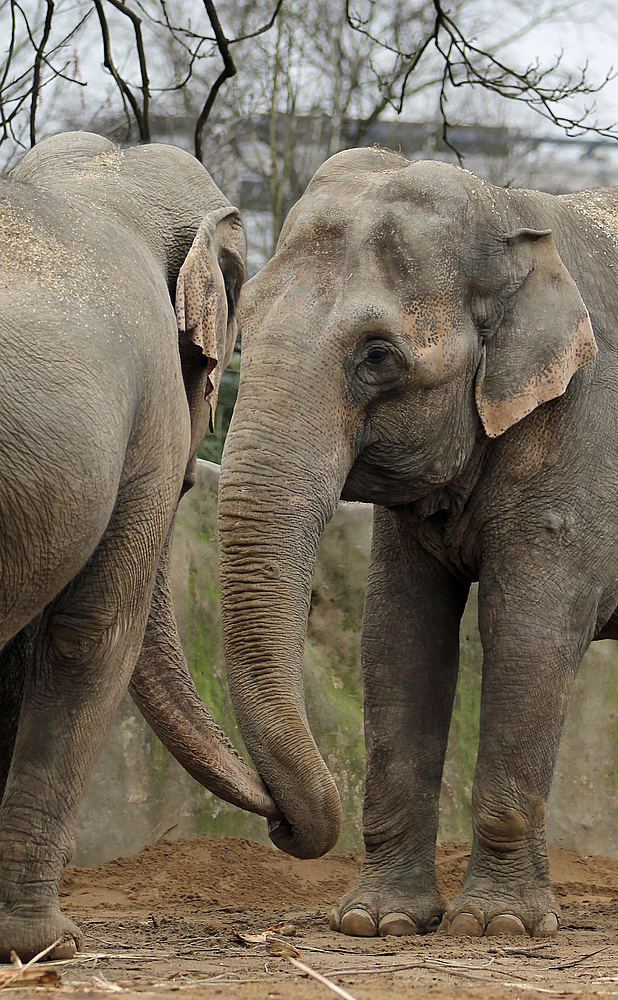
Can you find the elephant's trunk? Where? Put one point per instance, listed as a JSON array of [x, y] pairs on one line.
[[272, 510], [163, 690]]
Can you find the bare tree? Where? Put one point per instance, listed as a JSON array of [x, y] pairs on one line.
[[45, 62], [97, 54], [462, 61], [327, 72]]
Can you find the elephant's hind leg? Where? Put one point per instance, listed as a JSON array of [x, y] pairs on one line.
[[85, 650]]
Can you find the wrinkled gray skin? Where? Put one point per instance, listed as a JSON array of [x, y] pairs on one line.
[[101, 414], [420, 341]]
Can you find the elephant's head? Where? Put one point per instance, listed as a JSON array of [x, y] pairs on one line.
[[409, 311], [194, 235]]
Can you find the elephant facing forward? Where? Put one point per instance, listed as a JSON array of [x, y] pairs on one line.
[[446, 350], [102, 407]]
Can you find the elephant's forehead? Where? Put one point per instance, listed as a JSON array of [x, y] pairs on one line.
[[391, 242], [436, 187], [376, 241], [378, 215]]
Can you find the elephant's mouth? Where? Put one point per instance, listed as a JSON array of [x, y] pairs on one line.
[[368, 483]]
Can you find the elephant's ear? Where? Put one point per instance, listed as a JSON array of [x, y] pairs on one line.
[[201, 296], [543, 334]]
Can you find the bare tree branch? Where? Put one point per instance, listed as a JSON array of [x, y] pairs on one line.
[[3, 79], [143, 121], [36, 76], [260, 31], [405, 48], [229, 69], [140, 113], [465, 64]]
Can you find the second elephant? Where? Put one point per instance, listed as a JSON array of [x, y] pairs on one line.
[[105, 396], [445, 350]]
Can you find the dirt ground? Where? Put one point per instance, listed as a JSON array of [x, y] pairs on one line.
[[180, 917]]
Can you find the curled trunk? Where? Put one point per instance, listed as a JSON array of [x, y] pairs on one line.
[[271, 515], [163, 690]]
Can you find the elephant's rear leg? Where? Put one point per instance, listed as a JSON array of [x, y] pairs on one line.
[[85, 650]]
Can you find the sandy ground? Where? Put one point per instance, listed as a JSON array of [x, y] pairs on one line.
[[180, 917]]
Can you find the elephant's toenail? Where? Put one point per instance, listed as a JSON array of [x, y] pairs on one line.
[[465, 924], [358, 923], [433, 925], [334, 919], [397, 923], [505, 923], [548, 926], [66, 949]]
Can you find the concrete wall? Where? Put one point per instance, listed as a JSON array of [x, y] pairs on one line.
[[139, 794]]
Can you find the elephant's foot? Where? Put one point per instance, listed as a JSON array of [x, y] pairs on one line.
[[388, 903], [28, 931], [483, 908]]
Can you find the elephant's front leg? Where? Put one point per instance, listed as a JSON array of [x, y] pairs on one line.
[[410, 650], [534, 628], [85, 649]]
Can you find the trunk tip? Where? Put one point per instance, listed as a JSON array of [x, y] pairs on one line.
[[312, 844]]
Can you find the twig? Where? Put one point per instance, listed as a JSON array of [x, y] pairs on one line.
[[531, 952], [320, 978], [20, 969], [275, 946], [125, 91], [534, 989], [36, 76], [260, 31], [142, 118], [577, 961], [229, 69]]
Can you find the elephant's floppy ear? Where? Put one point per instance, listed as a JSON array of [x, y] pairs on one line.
[[201, 301], [543, 335]]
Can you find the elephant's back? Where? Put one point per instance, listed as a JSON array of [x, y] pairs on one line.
[[81, 288]]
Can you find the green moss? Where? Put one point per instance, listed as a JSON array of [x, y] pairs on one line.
[[333, 681], [215, 818], [158, 756], [611, 729], [335, 713]]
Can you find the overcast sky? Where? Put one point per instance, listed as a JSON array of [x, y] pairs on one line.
[[594, 41]]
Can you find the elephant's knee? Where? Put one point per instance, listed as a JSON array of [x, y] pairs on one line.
[[502, 828], [76, 638]]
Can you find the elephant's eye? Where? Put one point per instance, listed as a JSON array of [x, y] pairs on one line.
[[377, 354], [379, 362]]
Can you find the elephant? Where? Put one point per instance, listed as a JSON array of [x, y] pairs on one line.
[[445, 350], [107, 391]]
